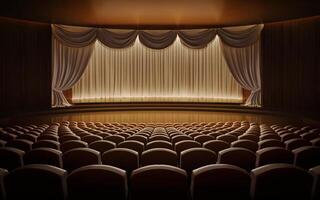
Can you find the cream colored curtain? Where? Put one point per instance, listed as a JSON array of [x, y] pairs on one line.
[[176, 74]]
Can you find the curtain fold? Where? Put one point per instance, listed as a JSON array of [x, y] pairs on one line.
[[157, 39], [117, 38], [244, 64], [197, 38], [68, 66], [240, 36]]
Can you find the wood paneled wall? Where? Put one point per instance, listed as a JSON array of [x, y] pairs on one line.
[[25, 66], [291, 66]]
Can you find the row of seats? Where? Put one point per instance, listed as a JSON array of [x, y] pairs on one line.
[[189, 159], [158, 182]]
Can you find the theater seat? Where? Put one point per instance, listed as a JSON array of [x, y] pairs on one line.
[[159, 182], [44, 156], [91, 138], [73, 144], [133, 145], [216, 145], [80, 157], [271, 155], [28, 136], [68, 137], [48, 137], [307, 157], [159, 137], [97, 182], [270, 143], [315, 172], [115, 138], [159, 156], [184, 145], [296, 143], [3, 173], [238, 156], [280, 181], [227, 138], [138, 138], [159, 144], [11, 158], [102, 146], [36, 182], [247, 144], [194, 158], [24, 145], [203, 138], [122, 158], [316, 142], [220, 181], [179, 138], [46, 144]]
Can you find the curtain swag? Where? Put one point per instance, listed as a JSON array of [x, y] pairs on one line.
[[156, 39]]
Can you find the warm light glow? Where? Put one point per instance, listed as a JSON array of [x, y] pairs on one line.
[[173, 74]]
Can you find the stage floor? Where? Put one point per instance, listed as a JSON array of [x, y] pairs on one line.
[[155, 116]]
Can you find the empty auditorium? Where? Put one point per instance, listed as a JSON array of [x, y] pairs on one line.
[[160, 100]]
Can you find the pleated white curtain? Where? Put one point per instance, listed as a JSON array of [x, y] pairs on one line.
[[176, 74], [69, 64]]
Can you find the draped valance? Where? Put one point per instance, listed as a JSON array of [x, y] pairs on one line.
[[156, 39]]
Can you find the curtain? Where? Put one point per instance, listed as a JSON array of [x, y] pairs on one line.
[[68, 66], [241, 50], [141, 74], [233, 37]]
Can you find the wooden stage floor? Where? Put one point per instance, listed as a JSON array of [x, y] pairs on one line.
[[155, 116]]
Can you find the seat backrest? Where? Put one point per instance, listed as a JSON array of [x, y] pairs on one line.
[[44, 156], [7, 136], [251, 137], [270, 143], [159, 182], [159, 156], [133, 145], [3, 173], [97, 182], [159, 137], [247, 144], [288, 136], [48, 137], [72, 144], [179, 138], [220, 181], [280, 181], [115, 139], [65, 138], [122, 158], [11, 158], [139, 138], [309, 135], [269, 136], [2, 143], [91, 138], [296, 143], [22, 144], [227, 138], [36, 182], [184, 145], [216, 145], [194, 158], [203, 138], [307, 157], [237, 156], [159, 144], [315, 172], [28, 136], [271, 155], [80, 157], [47, 144], [102, 146], [316, 142]]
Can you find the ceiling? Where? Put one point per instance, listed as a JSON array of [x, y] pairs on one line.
[[158, 13]]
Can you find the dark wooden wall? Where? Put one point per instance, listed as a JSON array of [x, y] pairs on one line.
[[25, 66], [291, 66]]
